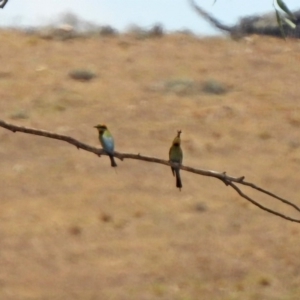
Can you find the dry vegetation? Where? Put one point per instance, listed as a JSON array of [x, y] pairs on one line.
[[71, 227]]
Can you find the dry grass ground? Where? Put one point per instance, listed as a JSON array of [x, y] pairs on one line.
[[71, 227]]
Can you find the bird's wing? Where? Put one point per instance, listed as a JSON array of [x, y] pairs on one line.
[[108, 143]]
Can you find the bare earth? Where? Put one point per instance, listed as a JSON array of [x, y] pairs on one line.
[[71, 227]]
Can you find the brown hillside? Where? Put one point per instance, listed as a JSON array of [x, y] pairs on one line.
[[71, 227]]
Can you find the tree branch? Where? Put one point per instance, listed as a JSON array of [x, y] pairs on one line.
[[3, 3], [210, 18], [227, 180], [243, 195]]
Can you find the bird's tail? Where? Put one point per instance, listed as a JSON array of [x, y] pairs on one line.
[[178, 179], [113, 162], [173, 171]]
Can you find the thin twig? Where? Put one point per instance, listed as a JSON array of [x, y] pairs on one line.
[[263, 207], [271, 194], [227, 180]]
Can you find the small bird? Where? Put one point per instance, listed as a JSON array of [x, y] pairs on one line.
[[107, 142], [175, 156]]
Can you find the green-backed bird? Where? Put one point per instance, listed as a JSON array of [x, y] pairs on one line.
[[175, 156], [107, 142]]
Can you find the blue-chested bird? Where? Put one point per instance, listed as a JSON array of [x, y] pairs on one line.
[[176, 156], [107, 142]]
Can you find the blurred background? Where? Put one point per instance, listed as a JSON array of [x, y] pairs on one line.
[[120, 14]]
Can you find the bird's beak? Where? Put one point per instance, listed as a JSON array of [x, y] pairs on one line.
[[96, 126]]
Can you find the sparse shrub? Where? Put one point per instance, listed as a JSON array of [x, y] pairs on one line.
[[294, 119], [104, 217], [75, 230], [189, 87], [59, 107], [187, 32], [33, 41], [182, 86], [265, 135], [214, 87], [138, 214], [200, 207], [68, 26], [294, 144], [71, 19], [179, 86], [4, 74], [156, 31], [136, 31], [108, 31], [30, 30], [82, 74], [264, 281], [20, 114], [141, 33], [62, 33]]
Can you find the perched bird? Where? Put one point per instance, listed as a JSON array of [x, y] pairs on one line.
[[175, 156], [107, 142]]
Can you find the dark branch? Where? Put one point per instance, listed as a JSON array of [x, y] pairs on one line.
[[272, 195], [227, 180], [210, 18], [3, 3], [263, 207]]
